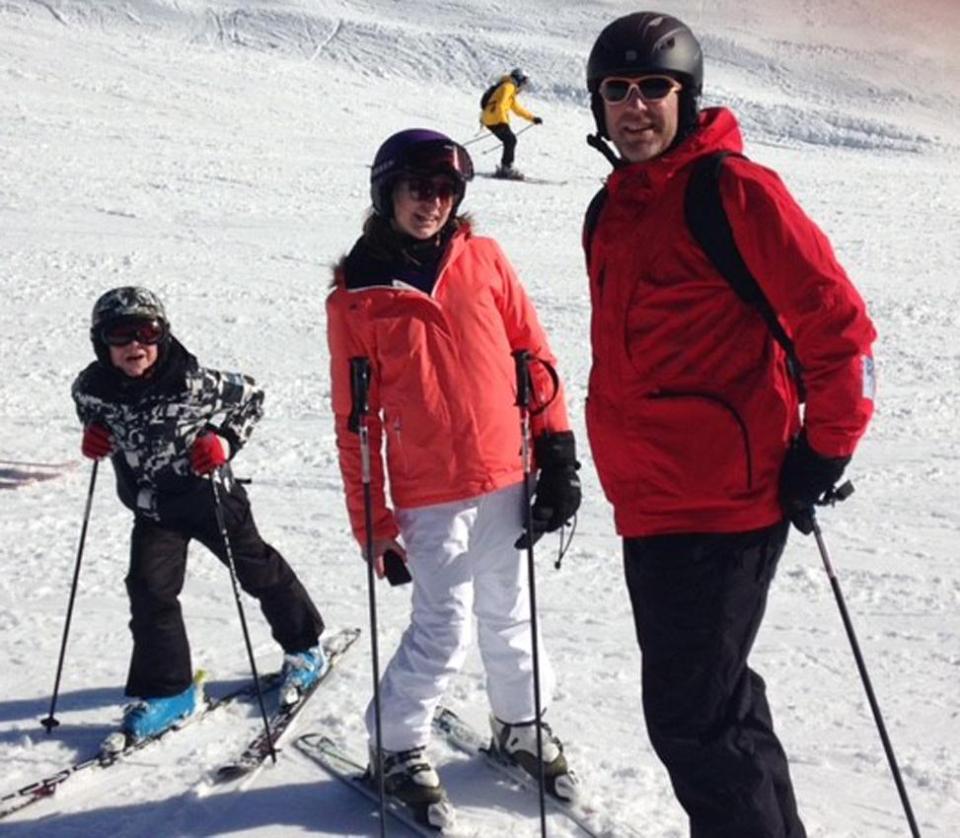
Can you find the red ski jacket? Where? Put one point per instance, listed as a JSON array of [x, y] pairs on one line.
[[690, 407], [443, 383]]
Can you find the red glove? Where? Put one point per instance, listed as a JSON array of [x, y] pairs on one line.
[[208, 453], [97, 441]]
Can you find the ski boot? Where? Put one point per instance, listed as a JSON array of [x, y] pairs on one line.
[[508, 173], [517, 744], [301, 670], [410, 779], [150, 717]]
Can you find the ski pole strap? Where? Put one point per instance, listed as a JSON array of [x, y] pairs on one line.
[[565, 541], [359, 392], [522, 359], [555, 386]]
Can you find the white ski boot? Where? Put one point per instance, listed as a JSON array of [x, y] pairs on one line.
[[409, 777], [517, 743]]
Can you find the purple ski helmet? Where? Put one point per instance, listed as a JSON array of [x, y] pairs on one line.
[[416, 151]]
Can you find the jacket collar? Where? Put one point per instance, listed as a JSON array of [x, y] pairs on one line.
[[168, 378], [359, 269]]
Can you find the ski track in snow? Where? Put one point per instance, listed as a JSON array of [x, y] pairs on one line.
[[217, 152]]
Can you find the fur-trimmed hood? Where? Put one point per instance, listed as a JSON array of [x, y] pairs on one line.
[[381, 251]]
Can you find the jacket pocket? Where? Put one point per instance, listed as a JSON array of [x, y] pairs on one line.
[[670, 451], [701, 445]]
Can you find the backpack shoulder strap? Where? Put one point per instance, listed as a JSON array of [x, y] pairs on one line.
[[488, 94], [708, 222], [591, 218]]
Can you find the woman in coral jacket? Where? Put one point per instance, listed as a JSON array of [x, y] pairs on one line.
[[438, 311]]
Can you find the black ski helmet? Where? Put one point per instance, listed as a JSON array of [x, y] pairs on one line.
[[647, 43], [416, 151], [129, 302], [519, 77]]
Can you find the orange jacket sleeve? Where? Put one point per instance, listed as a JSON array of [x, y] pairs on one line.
[[525, 332]]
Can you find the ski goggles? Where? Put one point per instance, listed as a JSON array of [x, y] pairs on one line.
[[439, 156], [144, 332], [615, 90], [427, 188]]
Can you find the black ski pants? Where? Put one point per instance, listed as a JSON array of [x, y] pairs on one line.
[[698, 600], [505, 134], [160, 665]]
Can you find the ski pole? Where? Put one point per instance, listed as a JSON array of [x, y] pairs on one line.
[[521, 358], [50, 722], [480, 135], [495, 147], [222, 524], [359, 392], [499, 143], [838, 494]]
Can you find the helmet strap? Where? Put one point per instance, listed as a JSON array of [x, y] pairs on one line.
[[687, 123], [597, 142]]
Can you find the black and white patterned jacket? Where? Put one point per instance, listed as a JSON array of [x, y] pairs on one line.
[[155, 421]]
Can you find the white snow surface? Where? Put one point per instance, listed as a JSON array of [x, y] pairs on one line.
[[218, 153]]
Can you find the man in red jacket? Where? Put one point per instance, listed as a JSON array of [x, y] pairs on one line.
[[693, 414]]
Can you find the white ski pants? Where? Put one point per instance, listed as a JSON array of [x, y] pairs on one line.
[[462, 558]]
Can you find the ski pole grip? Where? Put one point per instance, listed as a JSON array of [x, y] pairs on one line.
[[836, 494], [521, 360], [359, 391]]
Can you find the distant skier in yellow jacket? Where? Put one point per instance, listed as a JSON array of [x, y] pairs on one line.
[[497, 104]]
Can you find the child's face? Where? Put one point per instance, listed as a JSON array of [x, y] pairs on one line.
[[134, 359]]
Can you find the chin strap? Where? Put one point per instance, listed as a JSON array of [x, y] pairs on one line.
[[597, 142]]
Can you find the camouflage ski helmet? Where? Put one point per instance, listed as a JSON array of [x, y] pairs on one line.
[[127, 302]]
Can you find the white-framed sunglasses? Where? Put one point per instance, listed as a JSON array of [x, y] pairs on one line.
[[615, 90]]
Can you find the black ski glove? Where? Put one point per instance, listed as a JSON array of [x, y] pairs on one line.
[[806, 476], [558, 487]]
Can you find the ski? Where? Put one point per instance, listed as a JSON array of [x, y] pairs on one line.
[[257, 752], [540, 181], [324, 751], [465, 738], [47, 786]]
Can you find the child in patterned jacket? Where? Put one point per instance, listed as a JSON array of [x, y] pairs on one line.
[[167, 425]]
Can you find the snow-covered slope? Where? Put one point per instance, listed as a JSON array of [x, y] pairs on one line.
[[218, 153]]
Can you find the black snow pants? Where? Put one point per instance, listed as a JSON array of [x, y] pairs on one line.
[[505, 134], [698, 600], [160, 665]]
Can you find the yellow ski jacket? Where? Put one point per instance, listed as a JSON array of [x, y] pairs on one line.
[[503, 100]]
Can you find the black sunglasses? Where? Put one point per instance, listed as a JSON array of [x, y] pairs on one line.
[[428, 188]]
